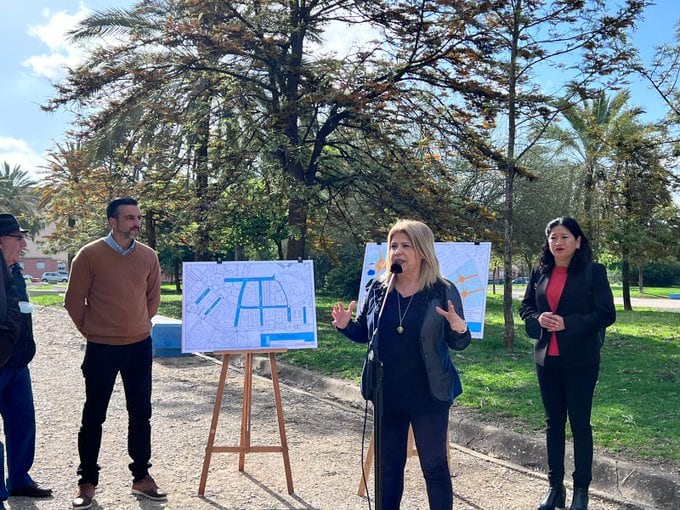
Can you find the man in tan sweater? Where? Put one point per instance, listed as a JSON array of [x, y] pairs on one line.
[[113, 291]]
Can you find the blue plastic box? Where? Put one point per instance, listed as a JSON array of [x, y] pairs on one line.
[[166, 336]]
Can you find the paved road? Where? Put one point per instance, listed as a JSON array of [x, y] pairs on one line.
[[655, 303]]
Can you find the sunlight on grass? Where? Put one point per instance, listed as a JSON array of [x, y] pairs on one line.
[[637, 399]]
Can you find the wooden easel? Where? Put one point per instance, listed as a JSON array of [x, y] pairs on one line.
[[411, 451], [244, 445]]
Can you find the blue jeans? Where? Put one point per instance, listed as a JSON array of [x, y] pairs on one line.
[[568, 392], [18, 416], [431, 434], [101, 365]]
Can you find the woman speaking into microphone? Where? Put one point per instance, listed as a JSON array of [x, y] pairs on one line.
[[419, 317]]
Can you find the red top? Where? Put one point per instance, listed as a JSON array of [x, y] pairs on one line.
[[553, 293]]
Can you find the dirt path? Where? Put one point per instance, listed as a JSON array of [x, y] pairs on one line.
[[325, 441]]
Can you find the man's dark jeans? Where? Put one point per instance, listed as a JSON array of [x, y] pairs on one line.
[[100, 367]]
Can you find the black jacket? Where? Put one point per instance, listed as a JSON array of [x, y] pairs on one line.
[[24, 347], [10, 317], [578, 343], [436, 336]]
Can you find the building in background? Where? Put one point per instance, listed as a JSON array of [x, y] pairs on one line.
[[34, 262]]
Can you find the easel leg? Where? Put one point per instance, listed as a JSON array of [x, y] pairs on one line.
[[282, 423], [368, 463], [246, 412], [213, 424]]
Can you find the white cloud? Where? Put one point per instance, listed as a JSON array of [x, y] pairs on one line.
[[53, 34], [18, 152], [341, 39]]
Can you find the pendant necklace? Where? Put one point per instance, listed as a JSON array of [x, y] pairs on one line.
[[400, 328]]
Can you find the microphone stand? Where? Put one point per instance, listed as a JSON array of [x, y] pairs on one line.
[[378, 395]]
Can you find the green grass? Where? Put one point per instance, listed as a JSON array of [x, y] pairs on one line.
[[637, 400]]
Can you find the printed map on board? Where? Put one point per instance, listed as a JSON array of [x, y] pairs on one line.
[[464, 264], [248, 305]]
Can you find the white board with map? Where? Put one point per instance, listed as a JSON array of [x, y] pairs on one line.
[[233, 306], [464, 264]]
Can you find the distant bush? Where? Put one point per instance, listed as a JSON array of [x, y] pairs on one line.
[[664, 273]]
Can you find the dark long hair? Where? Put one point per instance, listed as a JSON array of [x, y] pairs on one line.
[[582, 255]]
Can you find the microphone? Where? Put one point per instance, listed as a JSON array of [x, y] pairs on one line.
[[395, 269]]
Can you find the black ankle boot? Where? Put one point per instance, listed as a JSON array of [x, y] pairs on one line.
[[580, 499], [555, 498]]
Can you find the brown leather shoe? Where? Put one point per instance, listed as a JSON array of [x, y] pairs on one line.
[[147, 488], [83, 499]]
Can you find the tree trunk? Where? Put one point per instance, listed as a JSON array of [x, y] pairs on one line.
[[589, 208], [625, 281], [150, 229], [641, 279], [202, 244], [177, 275], [297, 221], [508, 312]]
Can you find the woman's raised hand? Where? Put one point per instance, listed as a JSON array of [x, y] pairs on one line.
[[342, 316], [455, 321]]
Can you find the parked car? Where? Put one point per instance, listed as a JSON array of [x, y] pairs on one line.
[[522, 280], [28, 278], [54, 277]]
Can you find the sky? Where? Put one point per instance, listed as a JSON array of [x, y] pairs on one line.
[[35, 49]]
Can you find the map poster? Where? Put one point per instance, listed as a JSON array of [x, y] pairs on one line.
[[464, 264], [232, 306]]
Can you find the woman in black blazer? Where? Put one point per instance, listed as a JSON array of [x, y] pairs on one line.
[[567, 302]]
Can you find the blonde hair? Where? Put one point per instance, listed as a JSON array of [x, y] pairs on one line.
[[422, 239]]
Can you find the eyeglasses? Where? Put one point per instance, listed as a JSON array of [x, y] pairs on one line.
[[16, 236]]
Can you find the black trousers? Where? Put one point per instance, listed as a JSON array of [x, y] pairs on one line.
[[101, 365], [568, 392], [430, 430]]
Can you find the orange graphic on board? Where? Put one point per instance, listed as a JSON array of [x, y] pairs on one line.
[[461, 281], [381, 264]]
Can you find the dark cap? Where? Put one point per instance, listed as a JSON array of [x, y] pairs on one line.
[[9, 225]]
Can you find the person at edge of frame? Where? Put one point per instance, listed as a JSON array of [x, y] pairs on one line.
[[422, 319], [564, 316], [16, 393]]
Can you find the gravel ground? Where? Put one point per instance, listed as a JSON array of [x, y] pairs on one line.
[[324, 438]]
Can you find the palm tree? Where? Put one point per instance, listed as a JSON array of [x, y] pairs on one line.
[[19, 196], [588, 134]]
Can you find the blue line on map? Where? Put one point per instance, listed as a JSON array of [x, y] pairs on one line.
[[215, 303], [266, 339], [238, 303], [205, 293], [304, 315], [249, 279], [261, 306]]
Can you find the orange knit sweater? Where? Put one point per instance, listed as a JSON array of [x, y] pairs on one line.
[[112, 297]]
